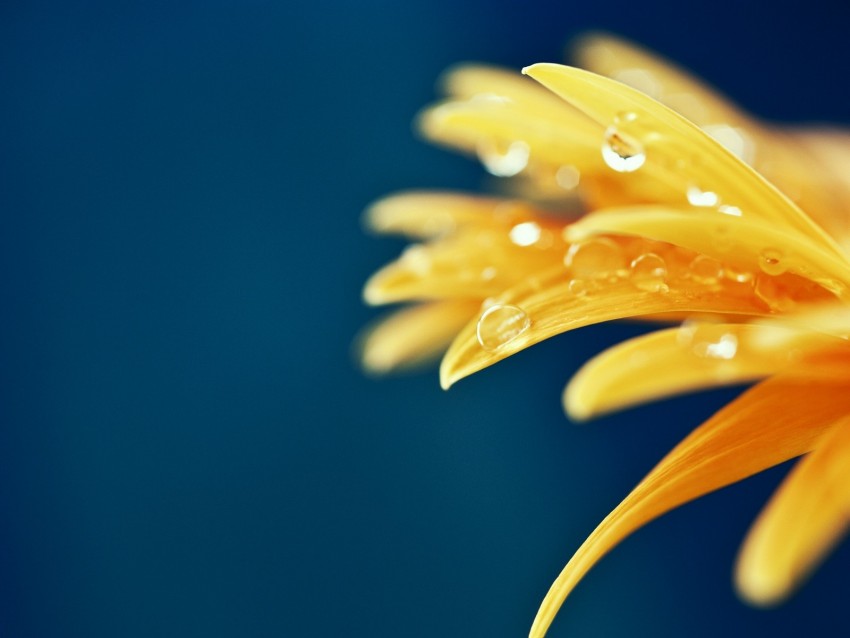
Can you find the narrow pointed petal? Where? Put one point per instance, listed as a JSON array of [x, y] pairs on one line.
[[678, 154], [553, 306], [414, 335], [677, 360], [425, 214], [745, 243], [479, 263], [754, 432], [804, 520]]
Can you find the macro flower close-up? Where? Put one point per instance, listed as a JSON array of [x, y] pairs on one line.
[[623, 188]]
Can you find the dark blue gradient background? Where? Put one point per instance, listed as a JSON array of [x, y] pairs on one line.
[[186, 447]]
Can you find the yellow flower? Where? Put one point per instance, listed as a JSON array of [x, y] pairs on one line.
[[658, 200]]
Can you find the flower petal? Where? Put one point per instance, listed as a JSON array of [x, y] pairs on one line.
[[553, 305], [678, 154], [414, 335], [757, 431], [804, 520], [741, 242], [677, 360]]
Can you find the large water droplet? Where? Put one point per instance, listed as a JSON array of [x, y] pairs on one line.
[[500, 324], [649, 273], [699, 197], [504, 161], [598, 257], [525, 234], [621, 151], [772, 261], [705, 270]]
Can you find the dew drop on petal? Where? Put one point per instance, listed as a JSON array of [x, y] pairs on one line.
[[649, 273], [579, 287], [568, 177], [500, 324], [621, 151], [525, 234], [598, 257], [771, 292], [734, 139], [737, 275], [489, 273], [699, 197], [504, 161], [734, 211], [772, 262], [723, 347], [705, 270]]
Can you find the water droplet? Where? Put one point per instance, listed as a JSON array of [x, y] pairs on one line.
[[598, 258], [489, 273], [417, 259], [579, 287], [734, 139], [568, 177], [525, 234], [772, 293], [772, 261], [737, 275], [649, 273], [621, 151], [500, 324], [723, 347], [699, 197], [705, 270], [734, 211], [504, 161]]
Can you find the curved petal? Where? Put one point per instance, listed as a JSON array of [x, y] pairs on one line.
[[554, 305], [735, 240], [414, 335], [677, 360], [677, 153], [804, 520], [754, 432]]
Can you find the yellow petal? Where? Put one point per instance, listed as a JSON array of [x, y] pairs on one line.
[[659, 79], [554, 304], [414, 335], [424, 214], [741, 242], [804, 520], [678, 154], [690, 357], [760, 429]]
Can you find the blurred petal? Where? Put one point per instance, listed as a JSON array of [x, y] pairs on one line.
[[683, 359], [414, 335], [758, 430], [804, 520], [678, 154]]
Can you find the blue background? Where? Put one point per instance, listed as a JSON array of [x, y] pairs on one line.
[[186, 446]]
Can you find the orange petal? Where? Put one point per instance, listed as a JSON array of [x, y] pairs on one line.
[[554, 304], [414, 335], [677, 153], [746, 243], [804, 520], [690, 357], [757, 431]]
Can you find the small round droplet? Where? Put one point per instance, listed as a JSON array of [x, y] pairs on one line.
[[737, 275], [705, 270], [579, 287], [621, 151], [489, 273], [568, 177], [699, 197], [773, 294], [595, 258], [734, 211], [723, 347], [772, 262], [525, 234], [500, 324], [504, 161], [649, 273]]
